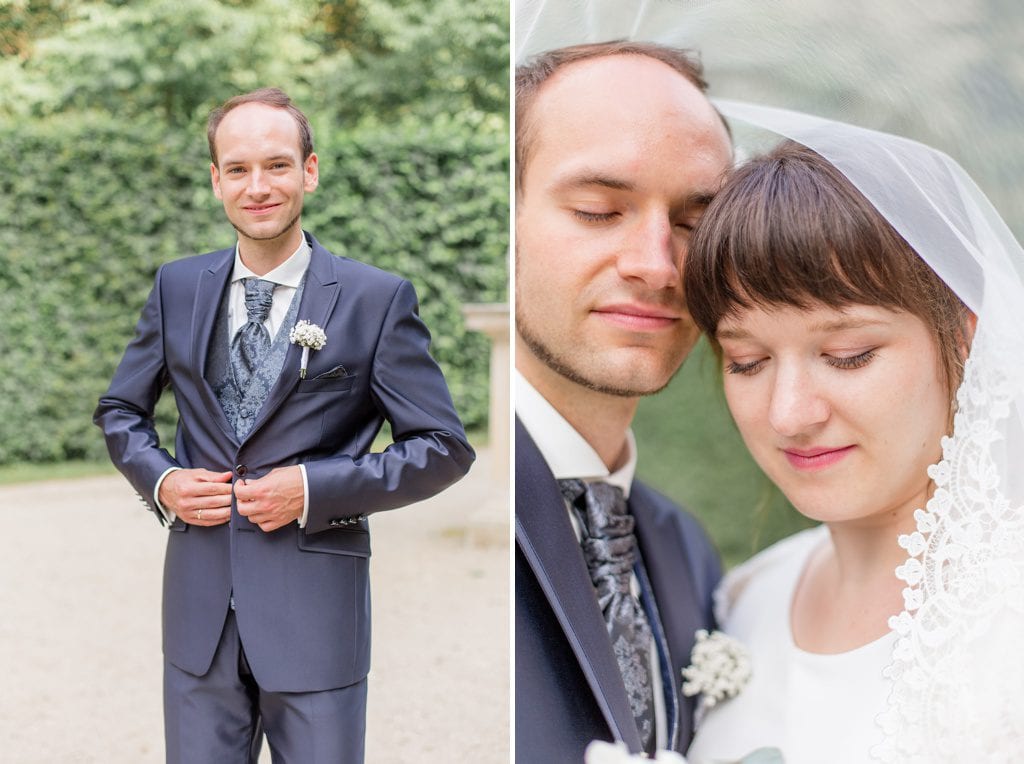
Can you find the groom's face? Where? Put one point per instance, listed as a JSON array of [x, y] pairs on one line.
[[624, 156], [260, 174]]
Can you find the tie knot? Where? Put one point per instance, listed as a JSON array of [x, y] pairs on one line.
[[259, 296], [572, 489], [603, 508]]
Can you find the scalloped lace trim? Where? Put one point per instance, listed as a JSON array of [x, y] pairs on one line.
[[956, 669]]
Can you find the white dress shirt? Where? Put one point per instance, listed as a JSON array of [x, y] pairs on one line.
[[569, 456], [288, 275]]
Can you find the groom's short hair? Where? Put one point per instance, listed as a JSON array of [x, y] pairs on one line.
[[271, 97], [531, 76]]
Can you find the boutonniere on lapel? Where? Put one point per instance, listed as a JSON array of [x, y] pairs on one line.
[[719, 668], [308, 336]]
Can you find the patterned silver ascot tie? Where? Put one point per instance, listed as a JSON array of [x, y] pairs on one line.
[[609, 549], [252, 341]]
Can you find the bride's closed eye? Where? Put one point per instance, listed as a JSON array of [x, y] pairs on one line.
[[852, 361], [748, 368], [857, 361]]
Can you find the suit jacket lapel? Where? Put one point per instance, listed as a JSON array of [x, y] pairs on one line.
[[672, 581], [545, 536], [209, 296], [319, 296]]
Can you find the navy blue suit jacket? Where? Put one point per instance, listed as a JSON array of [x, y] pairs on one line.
[[301, 595], [569, 689]]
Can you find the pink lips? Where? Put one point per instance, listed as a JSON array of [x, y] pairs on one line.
[[638, 317], [815, 458]]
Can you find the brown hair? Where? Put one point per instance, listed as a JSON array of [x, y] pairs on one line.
[[271, 97], [531, 77], [788, 228]]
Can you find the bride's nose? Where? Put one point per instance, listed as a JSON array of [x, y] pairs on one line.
[[797, 403]]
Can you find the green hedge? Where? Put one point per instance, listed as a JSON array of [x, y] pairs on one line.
[[91, 206]]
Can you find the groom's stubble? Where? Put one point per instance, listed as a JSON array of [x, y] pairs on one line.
[[599, 380]]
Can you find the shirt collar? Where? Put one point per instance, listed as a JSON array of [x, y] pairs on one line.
[[289, 273], [566, 452]]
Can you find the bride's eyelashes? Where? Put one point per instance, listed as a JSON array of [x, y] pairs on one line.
[[749, 368], [851, 361]]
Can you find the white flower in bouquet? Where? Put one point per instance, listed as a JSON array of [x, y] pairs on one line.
[[308, 336]]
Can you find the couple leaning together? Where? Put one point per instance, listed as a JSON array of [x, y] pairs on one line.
[[862, 297]]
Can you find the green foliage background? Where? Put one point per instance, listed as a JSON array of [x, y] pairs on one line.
[[102, 112]]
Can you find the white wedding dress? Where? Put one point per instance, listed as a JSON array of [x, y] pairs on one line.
[[814, 708]]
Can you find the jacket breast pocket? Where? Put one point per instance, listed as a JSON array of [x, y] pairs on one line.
[[327, 384], [354, 542]]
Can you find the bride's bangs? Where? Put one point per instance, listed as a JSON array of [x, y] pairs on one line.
[[787, 229]]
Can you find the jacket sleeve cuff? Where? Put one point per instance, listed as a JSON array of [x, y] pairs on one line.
[[168, 515], [305, 497]]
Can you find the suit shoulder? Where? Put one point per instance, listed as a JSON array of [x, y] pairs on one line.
[[191, 264], [364, 273]]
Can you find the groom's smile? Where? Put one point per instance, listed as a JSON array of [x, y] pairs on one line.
[[639, 318], [260, 209]]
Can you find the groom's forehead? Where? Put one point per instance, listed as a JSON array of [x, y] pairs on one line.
[[633, 114], [616, 82], [597, 100]]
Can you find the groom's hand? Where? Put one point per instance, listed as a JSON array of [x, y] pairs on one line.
[[273, 500], [198, 497]]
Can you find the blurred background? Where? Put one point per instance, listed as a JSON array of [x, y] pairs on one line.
[[102, 120], [949, 73]]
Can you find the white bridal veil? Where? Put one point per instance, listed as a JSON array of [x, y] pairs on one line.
[[958, 666]]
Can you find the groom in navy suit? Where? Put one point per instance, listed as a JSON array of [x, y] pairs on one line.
[[618, 153], [266, 614]]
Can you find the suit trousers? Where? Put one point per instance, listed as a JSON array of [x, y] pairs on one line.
[[221, 717]]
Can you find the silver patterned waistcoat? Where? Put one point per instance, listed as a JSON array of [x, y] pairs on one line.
[[242, 406]]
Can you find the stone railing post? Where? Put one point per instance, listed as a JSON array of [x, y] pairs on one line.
[[492, 319]]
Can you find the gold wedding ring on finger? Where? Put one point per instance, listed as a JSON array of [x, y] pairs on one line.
[[199, 515]]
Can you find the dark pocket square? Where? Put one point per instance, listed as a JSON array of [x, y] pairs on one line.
[[322, 384], [337, 371]]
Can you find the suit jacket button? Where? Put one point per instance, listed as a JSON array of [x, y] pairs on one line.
[[241, 470]]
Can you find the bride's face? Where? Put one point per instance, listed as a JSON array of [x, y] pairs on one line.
[[844, 410]]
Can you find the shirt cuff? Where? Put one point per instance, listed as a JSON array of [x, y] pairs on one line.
[[169, 516], [305, 497]]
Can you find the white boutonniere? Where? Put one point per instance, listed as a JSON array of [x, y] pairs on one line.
[[308, 336], [719, 668]]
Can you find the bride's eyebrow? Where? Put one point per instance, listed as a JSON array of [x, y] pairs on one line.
[[844, 324], [838, 325], [732, 334]]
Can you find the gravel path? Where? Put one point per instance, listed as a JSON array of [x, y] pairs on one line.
[[80, 568]]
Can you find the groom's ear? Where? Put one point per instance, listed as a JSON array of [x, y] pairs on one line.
[[215, 180], [311, 173]]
